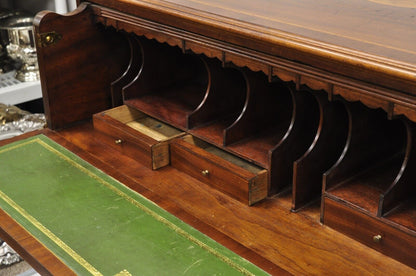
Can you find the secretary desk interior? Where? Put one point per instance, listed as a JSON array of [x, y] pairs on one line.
[[283, 129]]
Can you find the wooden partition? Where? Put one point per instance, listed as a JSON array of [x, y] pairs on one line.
[[170, 84], [371, 160], [296, 141], [222, 104], [369, 194], [381, 185], [263, 121], [326, 148], [132, 70]]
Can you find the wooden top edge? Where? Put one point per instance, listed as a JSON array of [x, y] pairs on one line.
[[394, 67]]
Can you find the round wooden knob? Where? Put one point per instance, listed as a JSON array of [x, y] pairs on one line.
[[205, 172], [118, 141], [377, 238]]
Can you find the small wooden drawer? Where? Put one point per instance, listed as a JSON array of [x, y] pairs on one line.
[[217, 168], [137, 135], [375, 232]]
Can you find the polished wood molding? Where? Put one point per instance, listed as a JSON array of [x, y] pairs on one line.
[[394, 99]]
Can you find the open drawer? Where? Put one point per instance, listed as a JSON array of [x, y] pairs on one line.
[[137, 135], [219, 169]]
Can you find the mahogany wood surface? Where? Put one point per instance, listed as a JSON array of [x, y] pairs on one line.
[[365, 40], [84, 89], [372, 139], [326, 148], [363, 227], [128, 76], [127, 142], [224, 100], [297, 140], [244, 184], [336, 69], [296, 242], [169, 86], [402, 189]]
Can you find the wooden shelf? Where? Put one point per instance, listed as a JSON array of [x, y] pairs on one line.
[[364, 190], [169, 85], [371, 161], [173, 105], [325, 150], [404, 215], [256, 148]]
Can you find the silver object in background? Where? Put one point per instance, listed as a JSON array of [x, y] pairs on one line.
[[16, 33], [7, 255], [6, 63], [15, 121]]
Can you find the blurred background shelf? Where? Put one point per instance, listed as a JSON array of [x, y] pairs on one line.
[[13, 92]]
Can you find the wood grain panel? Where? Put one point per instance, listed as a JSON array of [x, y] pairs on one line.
[[75, 84], [362, 227]]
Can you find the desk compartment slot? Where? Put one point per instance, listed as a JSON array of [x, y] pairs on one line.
[[403, 190], [264, 120], [296, 141], [170, 84], [371, 160], [326, 148], [222, 105], [374, 182], [275, 128], [129, 74]]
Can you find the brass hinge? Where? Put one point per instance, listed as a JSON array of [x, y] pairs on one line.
[[48, 39]]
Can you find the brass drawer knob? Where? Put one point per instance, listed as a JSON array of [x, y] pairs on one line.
[[377, 238], [205, 172], [118, 141]]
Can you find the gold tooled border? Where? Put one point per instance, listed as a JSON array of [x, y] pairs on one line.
[[50, 235], [145, 209], [41, 227]]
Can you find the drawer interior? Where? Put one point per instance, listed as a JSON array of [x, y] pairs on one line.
[[222, 154], [141, 122]]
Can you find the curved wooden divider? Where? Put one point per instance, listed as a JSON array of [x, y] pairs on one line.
[[403, 188], [221, 105], [129, 74], [371, 159], [326, 148], [296, 141], [263, 121], [170, 84], [305, 141]]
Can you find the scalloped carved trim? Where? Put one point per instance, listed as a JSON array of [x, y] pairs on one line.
[[392, 101], [408, 111], [352, 95]]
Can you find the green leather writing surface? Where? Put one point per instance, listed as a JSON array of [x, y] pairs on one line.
[[98, 226]]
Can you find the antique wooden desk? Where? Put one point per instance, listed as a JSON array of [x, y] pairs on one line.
[[282, 129]]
